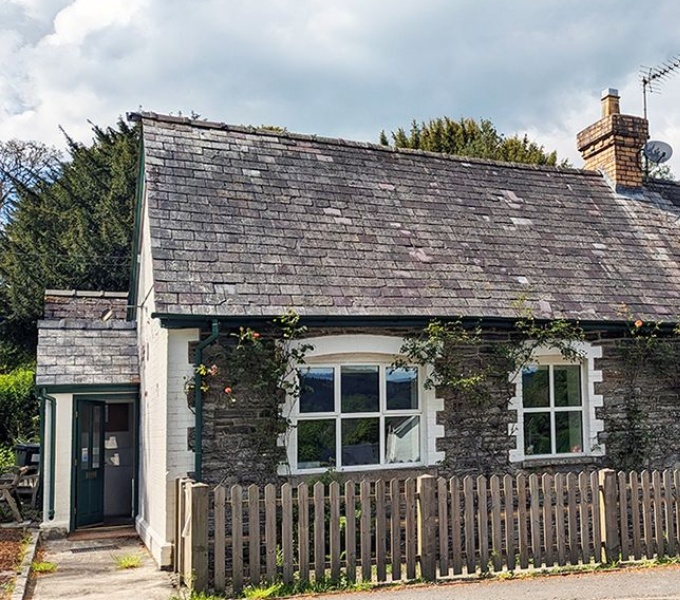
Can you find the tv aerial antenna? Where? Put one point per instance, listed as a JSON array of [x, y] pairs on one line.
[[653, 77]]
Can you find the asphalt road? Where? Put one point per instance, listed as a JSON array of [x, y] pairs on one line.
[[657, 583]]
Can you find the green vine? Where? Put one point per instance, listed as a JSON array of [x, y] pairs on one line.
[[473, 369], [642, 431], [256, 372]]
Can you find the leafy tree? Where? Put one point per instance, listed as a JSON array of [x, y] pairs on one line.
[[22, 165], [70, 228], [467, 137], [18, 405]]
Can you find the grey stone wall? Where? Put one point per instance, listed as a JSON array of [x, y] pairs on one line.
[[237, 448]]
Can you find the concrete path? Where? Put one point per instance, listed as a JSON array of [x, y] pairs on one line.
[[87, 569], [657, 583]]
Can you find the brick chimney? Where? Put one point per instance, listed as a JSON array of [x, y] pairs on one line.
[[613, 144]]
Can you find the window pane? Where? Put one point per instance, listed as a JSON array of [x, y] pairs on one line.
[[402, 389], [537, 433], [402, 439], [316, 443], [359, 389], [360, 442], [535, 388], [569, 431], [316, 390], [567, 385]]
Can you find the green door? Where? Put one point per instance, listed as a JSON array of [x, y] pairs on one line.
[[89, 463]]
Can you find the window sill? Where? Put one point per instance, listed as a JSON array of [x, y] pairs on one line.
[[559, 461]]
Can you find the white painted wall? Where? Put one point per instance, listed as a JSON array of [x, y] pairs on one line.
[[62, 466], [164, 414]]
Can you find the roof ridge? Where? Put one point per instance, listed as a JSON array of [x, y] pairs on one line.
[[206, 124]]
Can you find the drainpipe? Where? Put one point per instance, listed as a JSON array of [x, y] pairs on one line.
[[198, 401], [44, 399]]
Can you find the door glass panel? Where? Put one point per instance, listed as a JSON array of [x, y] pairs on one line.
[[96, 435], [360, 441], [360, 390], [85, 424], [402, 389]]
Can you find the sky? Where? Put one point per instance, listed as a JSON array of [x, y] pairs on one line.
[[338, 68]]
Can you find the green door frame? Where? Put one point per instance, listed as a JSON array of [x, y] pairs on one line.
[[107, 393]]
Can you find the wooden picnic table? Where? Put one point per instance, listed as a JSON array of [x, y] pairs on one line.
[[9, 482]]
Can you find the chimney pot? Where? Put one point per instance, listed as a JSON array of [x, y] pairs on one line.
[[610, 102]]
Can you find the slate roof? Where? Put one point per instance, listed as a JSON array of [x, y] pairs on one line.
[[75, 346], [247, 222]]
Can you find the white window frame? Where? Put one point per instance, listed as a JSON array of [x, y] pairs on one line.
[[590, 402], [364, 350]]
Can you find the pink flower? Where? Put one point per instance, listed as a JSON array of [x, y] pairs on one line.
[[228, 390], [638, 323]]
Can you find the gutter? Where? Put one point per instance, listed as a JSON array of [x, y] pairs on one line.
[[198, 400], [44, 399]]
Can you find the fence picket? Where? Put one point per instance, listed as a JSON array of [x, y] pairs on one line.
[[483, 523], [496, 527], [270, 532], [522, 525], [560, 526], [287, 531], [319, 532], [334, 532], [676, 495], [303, 531], [219, 541], [669, 532], [647, 509], [623, 515], [254, 535], [468, 491], [535, 519], [442, 510], [237, 538], [456, 541], [410, 521], [635, 506], [572, 517], [595, 515], [365, 535], [509, 502], [547, 481], [334, 529], [658, 515], [350, 531], [380, 531], [584, 519], [395, 529]]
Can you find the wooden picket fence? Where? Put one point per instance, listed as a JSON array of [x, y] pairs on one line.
[[427, 527]]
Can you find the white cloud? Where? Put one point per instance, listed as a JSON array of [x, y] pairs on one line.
[[334, 67]]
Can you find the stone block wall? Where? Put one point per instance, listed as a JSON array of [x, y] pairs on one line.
[[237, 448]]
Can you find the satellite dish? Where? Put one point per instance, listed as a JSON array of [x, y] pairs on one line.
[[657, 152]]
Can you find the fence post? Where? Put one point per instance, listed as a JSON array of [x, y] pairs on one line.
[[609, 514], [199, 537], [427, 531]]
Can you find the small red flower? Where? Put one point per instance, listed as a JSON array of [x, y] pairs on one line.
[[228, 390], [638, 323], [255, 335]]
